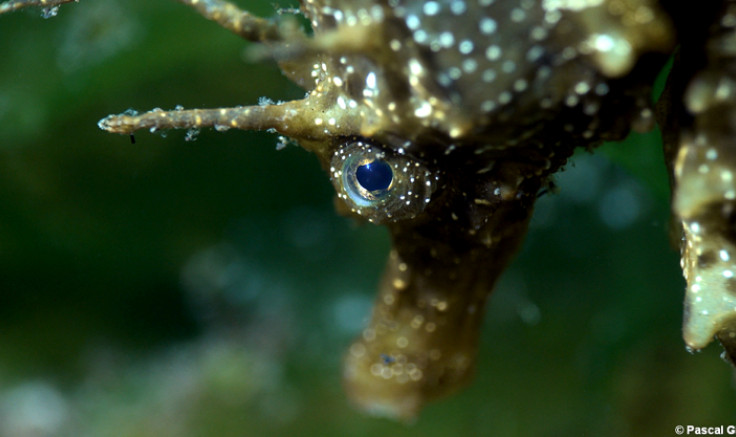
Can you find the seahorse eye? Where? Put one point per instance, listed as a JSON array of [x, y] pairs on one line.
[[375, 176], [366, 176], [379, 184]]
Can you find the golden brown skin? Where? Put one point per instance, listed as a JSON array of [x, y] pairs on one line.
[[699, 119], [442, 120]]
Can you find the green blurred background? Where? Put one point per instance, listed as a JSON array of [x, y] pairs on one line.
[[207, 288]]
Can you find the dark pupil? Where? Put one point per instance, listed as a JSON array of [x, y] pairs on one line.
[[374, 176]]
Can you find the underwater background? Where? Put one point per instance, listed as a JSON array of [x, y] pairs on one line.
[[200, 283]]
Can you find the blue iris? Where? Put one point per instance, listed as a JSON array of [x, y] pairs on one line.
[[374, 176]]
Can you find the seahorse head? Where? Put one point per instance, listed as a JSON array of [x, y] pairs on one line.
[[442, 120]]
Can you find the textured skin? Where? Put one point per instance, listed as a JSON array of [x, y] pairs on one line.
[[475, 104], [699, 121]]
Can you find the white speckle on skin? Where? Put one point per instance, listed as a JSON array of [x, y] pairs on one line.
[[487, 25], [534, 53], [489, 75], [420, 36], [493, 52], [425, 110], [508, 66], [517, 15], [458, 7], [446, 39], [470, 65], [582, 88], [412, 22], [603, 43], [370, 80], [431, 8], [465, 46], [415, 67], [488, 106]]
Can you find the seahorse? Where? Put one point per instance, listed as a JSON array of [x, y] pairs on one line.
[[444, 119]]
